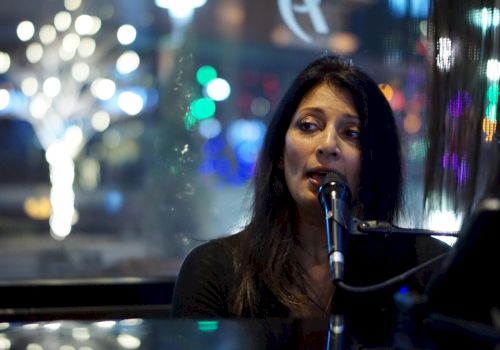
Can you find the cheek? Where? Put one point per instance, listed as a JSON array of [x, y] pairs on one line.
[[353, 170]]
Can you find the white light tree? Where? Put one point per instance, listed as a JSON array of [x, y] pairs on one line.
[[73, 77]]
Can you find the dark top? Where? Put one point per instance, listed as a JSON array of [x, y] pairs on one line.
[[207, 275]]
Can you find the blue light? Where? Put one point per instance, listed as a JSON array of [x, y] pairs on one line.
[[398, 7], [419, 8], [113, 201], [416, 8]]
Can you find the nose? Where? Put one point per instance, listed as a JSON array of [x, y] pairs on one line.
[[328, 145]]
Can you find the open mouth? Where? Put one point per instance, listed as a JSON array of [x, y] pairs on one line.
[[316, 177]]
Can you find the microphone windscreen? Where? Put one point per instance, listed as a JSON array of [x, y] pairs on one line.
[[334, 176]]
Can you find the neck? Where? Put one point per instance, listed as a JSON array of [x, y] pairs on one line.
[[312, 238]]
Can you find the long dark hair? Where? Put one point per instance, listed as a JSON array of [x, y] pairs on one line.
[[265, 259]]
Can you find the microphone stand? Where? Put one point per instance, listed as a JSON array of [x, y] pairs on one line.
[[359, 227]]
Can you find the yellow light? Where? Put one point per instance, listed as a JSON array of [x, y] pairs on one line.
[[387, 91], [37, 208], [489, 128]]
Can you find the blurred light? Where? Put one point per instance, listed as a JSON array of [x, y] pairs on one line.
[[80, 333], [128, 341], [4, 99], [126, 34], [34, 346], [25, 30], [247, 152], [387, 91], [52, 326], [260, 106], [62, 21], [493, 69], [103, 89], [231, 15], [62, 196], [202, 108], [412, 123], [47, 34], [73, 136], [208, 326], [281, 36], [128, 62], [87, 47], [131, 322], [66, 55], [52, 86], [205, 74], [100, 121], [105, 324], [130, 102], [445, 57], [492, 93], [218, 89], [398, 7], [112, 138], [80, 71], [5, 342], [39, 105], [416, 8], [89, 171], [419, 8], [87, 25], [72, 5], [485, 18], [4, 326], [423, 28], [444, 221], [343, 43], [417, 150], [37, 208], [398, 101], [491, 112], [209, 128], [71, 42], [458, 104], [34, 52], [180, 9], [489, 128], [67, 347], [243, 130], [4, 62]]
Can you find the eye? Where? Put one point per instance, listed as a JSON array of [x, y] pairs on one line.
[[352, 133], [306, 125]]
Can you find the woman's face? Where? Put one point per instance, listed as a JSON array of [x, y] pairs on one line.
[[323, 136]]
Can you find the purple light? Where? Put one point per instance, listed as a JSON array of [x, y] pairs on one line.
[[458, 104], [445, 160], [454, 161], [462, 171]]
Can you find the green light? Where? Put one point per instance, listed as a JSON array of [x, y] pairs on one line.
[[203, 108], [492, 93], [208, 326], [189, 121], [491, 112], [205, 74], [417, 150]]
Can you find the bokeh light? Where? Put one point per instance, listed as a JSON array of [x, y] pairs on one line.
[[25, 30], [218, 89], [205, 74]]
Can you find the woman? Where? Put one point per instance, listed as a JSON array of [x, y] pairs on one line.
[[333, 117]]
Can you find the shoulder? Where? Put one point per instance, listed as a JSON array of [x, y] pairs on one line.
[[205, 279], [220, 250]]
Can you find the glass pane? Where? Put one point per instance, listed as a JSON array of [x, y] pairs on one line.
[[130, 129]]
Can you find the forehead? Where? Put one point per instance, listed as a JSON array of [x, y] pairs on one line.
[[329, 99]]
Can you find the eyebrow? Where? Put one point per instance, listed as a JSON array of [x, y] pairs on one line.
[[321, 111]]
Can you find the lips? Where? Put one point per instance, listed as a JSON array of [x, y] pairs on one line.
[[316, 176]]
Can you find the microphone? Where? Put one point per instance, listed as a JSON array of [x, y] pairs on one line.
[[335, 198]]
